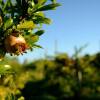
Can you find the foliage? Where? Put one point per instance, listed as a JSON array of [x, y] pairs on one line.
[[21, 27], [54, 78], [22, 18]]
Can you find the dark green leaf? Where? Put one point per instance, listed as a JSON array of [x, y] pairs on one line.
[[18, 2], [40, 32], [1, 3], [38, 46], [48, 7], [40, 19], [8, 24], [54, 1]]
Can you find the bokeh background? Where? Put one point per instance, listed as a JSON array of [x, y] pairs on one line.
[[68, 66]]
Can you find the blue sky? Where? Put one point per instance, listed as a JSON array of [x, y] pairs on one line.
[[75, 23]]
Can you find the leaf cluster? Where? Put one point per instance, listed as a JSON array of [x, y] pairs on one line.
[[25, 17]]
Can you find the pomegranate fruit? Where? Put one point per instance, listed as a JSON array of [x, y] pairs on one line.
[[15, 44]]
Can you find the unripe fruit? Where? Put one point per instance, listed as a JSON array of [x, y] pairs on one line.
[[15, 44]]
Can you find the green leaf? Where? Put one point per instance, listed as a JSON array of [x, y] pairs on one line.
[[26, 25], [1, 3], [41, 1], [39, 13], [39, 33], [48, 7], [34, 38], [9, 31], [8, 24], [40, 19], [21, 98], [54, 1], [31, 39], [47, 21], [5, 69], [10, 96], [7, 5], [18, 2], [38, 46]]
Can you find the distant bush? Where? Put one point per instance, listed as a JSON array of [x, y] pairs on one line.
[[53, 79]]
